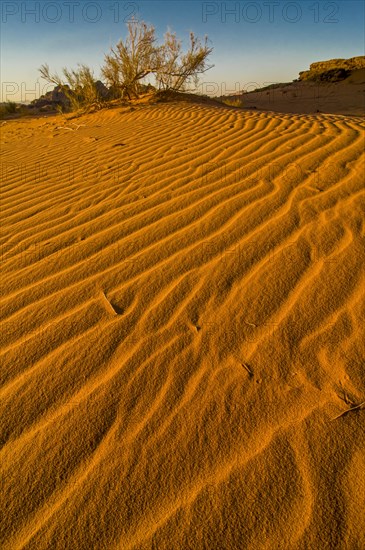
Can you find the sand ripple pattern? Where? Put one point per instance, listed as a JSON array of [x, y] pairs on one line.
[[182, 309]]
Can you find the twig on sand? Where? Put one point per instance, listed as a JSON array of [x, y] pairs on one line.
[[68, 128], [245, 366], [107, 304], [354, 408], [77, 125]]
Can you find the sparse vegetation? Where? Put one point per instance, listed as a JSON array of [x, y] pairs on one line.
[[177, 71], [8, 108], [129, 63], [139, 56], [233, 101], [78, 85]]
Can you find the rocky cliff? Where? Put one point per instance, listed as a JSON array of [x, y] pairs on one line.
[[333, 70]]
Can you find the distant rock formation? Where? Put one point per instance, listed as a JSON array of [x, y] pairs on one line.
[[57, 97], [54, 98], [102, 90], [333, 70]]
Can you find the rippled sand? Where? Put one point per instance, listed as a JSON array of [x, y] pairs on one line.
[[182, 330]]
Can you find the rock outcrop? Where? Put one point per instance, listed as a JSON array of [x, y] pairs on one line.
[[58, 97], [103, 91], [333, 70], [54, 98]]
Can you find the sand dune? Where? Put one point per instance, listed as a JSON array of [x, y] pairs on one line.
[[181, 330], [346, 97]]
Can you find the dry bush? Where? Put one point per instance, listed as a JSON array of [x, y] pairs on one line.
[[233, 102], [179, 71], [78, 85], [131, 60], [8, 108], [139, 56]]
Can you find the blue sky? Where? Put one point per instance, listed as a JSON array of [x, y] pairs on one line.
[[255, 42]]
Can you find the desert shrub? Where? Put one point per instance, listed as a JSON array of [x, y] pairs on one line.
[[139, 56], [132, 60], [177, 70], [8, 108], [78, 85], [12, 108], [129, 63], [233, 102]]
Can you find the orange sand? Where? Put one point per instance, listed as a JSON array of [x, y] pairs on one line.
[[346, 97], [181, 326]]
